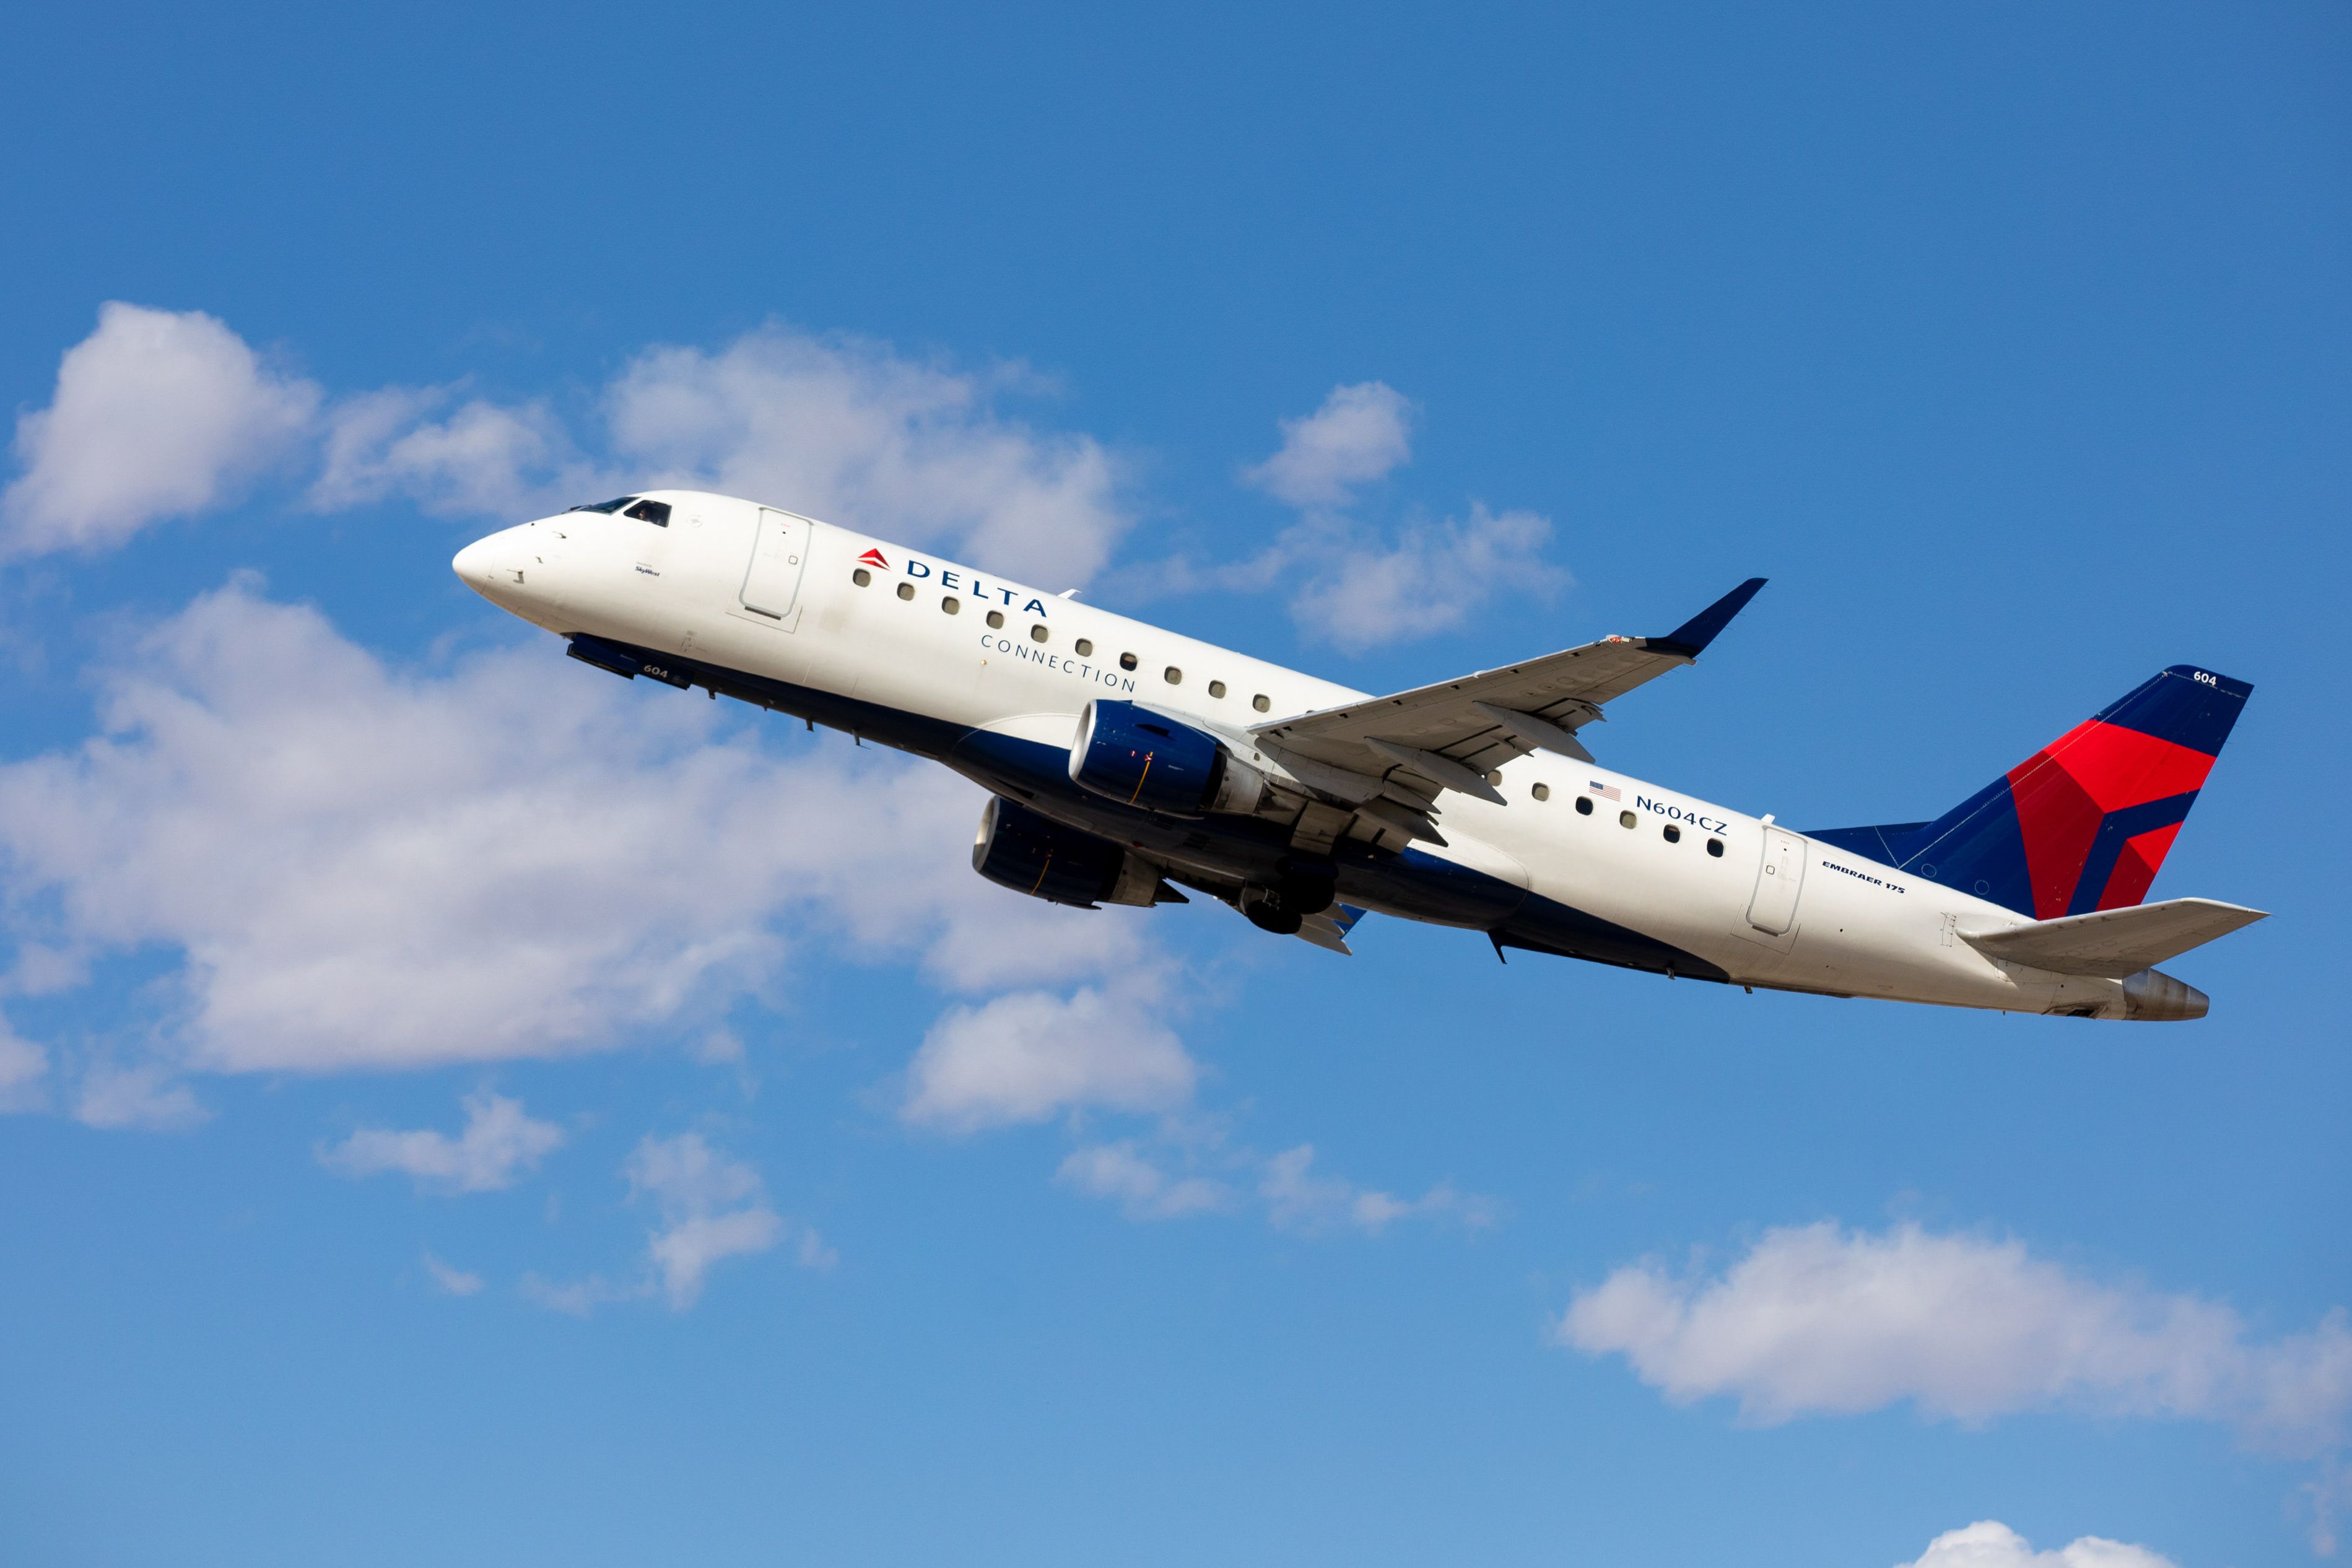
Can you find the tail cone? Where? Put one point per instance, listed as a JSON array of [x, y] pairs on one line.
[[2154, 996]]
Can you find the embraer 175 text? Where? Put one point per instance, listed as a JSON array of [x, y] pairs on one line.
[[1123, 760]]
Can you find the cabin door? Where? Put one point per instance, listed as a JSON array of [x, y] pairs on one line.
[[1774, 906], [772, 582]]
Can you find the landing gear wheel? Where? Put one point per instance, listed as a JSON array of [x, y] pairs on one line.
[[1268, 911], [1309, 887]]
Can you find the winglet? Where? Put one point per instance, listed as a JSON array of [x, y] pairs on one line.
[[1690, 638]]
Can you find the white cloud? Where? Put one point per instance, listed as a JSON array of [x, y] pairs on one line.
[[155, 413], [812, 1251], [500, 1142], [578, 1298], [2330, 1492], [1990, 1543], [848, 430], [1429, 579], [159, 413], [142, 1096], [453, 1281], [1354, 587], [24, 1068], [843, 428], [367, 868], [1360, 434], [1028, 1056], [1297, 1199], [685, 1250], [1121, 1172], [1187, 1166], [712, 1208], [482, 460], [1816, 1320]]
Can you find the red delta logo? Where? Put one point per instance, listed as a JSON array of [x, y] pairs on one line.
[[874, 558]]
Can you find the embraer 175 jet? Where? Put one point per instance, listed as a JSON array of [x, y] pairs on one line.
[[1123, 762]]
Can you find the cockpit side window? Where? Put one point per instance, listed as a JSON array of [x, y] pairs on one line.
[[654, 511], [609, 506]]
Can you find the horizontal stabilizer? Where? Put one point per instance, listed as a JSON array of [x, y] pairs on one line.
[[2113, 943]]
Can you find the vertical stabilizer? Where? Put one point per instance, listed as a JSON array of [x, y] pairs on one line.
[[2082, 824]]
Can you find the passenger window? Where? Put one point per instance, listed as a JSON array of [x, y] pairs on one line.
[[1674, 834], [1172, 676], [1126, 661], [654, 511], [861, 576], [1216, 689], [1584, 805], [1085, 647], [950, 605], [1038, 633], [996, 617], [1542, 792], [905, 590], [1715, 847], [1625, 819], [1260, 703]]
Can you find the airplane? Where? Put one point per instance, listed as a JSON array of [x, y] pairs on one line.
[[1125, 762]]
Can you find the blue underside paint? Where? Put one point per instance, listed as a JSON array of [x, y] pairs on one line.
[[1413, 883]]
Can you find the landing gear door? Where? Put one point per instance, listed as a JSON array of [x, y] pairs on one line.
[[1778, 880], [771, 582]]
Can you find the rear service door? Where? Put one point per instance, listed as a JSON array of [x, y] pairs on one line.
[[1774, 906], [778, 555]]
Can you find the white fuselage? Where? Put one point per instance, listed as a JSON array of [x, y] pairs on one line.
[[694, 590]]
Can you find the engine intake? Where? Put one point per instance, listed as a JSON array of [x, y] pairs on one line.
[[1030, 853], [1138, 757]]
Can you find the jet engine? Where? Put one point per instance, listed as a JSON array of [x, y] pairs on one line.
[[1031, 853], [1138, 757]]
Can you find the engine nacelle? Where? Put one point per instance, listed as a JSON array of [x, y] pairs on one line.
[[1138, 757], [1033, 854]]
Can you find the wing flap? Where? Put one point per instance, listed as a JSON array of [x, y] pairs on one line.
[[2114, 943], [1329, 929], [1458, 720]]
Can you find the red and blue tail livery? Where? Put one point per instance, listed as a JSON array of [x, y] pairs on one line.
[[2081, 825]]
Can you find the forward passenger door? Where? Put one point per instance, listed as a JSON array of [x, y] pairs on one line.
[[771, 580]]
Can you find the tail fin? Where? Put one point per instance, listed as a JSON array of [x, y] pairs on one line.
[[2084, 823]]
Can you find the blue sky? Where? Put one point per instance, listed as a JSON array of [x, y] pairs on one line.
[[469, 1110]]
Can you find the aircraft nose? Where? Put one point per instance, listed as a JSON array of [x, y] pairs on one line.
[[475, 563]]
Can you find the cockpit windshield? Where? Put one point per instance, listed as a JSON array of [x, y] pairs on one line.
[[654, 511], [606, 506]]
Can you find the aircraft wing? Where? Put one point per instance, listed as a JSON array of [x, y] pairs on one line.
[[1453, 734]]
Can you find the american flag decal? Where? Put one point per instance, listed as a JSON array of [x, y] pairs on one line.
[[1606, 792]]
